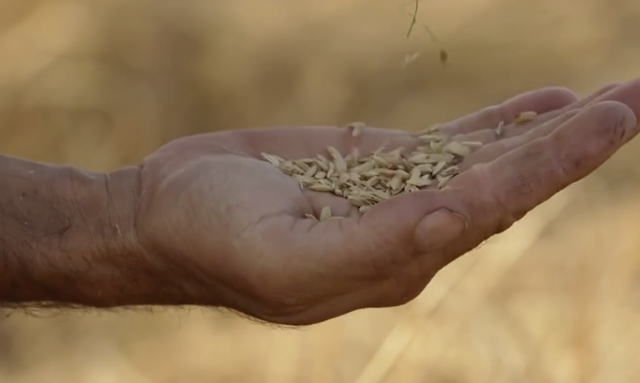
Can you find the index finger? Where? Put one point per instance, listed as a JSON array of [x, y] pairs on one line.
[[515, 183], [540, 101]]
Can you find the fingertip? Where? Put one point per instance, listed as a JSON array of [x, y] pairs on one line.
[[616, 118], [563, 95], [525, 177], [627, 94], [635, 82]]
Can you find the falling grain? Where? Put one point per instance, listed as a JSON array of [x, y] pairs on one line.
[[444, 56], [409, 58]]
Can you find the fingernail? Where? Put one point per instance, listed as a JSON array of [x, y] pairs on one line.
[[438, 229], [629, 125]]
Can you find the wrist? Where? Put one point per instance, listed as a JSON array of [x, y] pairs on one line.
[[138, 274], [69, 237], [119, 271]]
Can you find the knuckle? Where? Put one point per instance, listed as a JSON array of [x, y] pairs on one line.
[[506, 217], [555, 159], [499, 208], [566, 164], [560, 163]]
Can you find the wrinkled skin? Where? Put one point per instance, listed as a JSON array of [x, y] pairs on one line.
[[232, 228]]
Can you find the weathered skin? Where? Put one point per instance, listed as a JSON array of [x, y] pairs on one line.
[[204, 221]]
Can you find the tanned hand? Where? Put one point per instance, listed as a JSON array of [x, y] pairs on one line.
[[206, 221]]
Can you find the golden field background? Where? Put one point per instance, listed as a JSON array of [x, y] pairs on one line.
[[102, 83]]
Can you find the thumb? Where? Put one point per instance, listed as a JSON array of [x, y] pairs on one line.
[[390, 235], [421, 220], [485, 200], [438, 229]]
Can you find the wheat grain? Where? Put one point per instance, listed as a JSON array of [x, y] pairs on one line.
[[365, 181], [409, 58], [325, 214], [356, 128], [525, 117], [500, 129]]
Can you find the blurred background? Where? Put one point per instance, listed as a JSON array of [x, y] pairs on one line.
[[102, 83]]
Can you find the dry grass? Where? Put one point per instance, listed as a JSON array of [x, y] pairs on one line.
[[102, 83]]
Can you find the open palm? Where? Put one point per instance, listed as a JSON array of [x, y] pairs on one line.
[[232, 230]]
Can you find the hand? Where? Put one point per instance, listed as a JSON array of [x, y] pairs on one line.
[[230, 229]]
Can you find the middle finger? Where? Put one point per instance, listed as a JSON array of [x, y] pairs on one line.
[[490, 135], [626, 94]]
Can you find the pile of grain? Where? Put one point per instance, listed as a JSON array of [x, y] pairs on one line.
[[367, 180]]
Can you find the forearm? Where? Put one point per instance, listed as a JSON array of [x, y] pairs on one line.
[[68, 237]]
